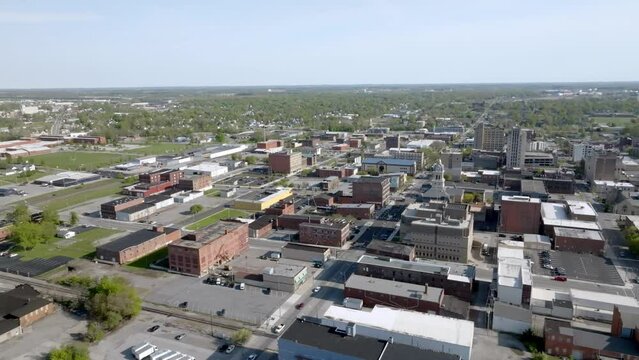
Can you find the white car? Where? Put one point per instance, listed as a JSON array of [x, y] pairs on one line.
[[242, 286], [252, 357], [317, 289], [278, 329]]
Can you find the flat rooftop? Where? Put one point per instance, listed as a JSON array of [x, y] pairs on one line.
[[533, 186], [317, 249], [135, 208], [284, 270], [456, 271], [579, 233], [519, 198], [411, 323], [395, 288], [358, 347], [133, 239], [76, 175], [209, 234], [390, 247], [581, 208], [119, 201], [261, 196], [555, 214], [354, 206], [388, 161]]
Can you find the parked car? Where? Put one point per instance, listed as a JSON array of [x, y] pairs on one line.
[[223, 347], [154, 328], [278, 329], [548, 266], [299, 306], [317, 289], [242, 286], [180, 337], [183, 305], [252, 357], [230, 349], [560, 278]]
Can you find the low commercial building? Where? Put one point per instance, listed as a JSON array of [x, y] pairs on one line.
[[225, 150], [136, 245], [262, 226], [371, 190], [511, 318], [195, 183], [388, 165], [209, 169], [538, 159], [359, 211], [534, 189], [281, 208], [293, 222], [579, 240], [108, 210], [329, 183], [313, 341], [198, 252], [20, 307], [396, 180], [520, 214], [308, 253], [372, 291], [284, 277], [185, 197], [421, 330], [326, 234], [269, 146], [326, 172], [260, 201], [136, 212], [571, 214], [391, 249], [456, 279]]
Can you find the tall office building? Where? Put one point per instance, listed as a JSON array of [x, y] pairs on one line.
[[518, 141], [489, 137]]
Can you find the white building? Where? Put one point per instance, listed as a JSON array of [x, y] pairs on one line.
[[517, 146], [206, 168], [225, 150], [420, 144], [421, 330]]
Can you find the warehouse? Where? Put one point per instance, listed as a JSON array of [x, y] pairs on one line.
[[387, 165], [262, 200], [108, 210], [67, 178], [136, 245], [284, 277], [136, 212], [579, 240], [372, 291], [225, 150], [206, 168], [306, 252]]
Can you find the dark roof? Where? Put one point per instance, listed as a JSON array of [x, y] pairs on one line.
[[20, 301], [262, 221], [7, 325], [156, 199], [317, 249], [133, 239], [120, 201], [136, 208], [591, 339], [361, 347], [390, 247]]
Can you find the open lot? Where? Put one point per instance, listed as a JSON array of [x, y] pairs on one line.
[[82, 245], [212, 219], [78, 160], [162, 149], [616, 121], [585, 267], [76, 195]]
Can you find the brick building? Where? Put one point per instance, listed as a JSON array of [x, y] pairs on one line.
[[391, 249], [326, 172], [372, 291], [21, 307], [359, 211], [270, 145], [323, 200], [262, 226], [579, 240], [520, 214], [195, 183], [371, 189], [281, 208], [327, 233], [109, 209], [354, 143], [285, 162], [456, 279], [163, 175], [293, 222], [198, 252], [136, 245]]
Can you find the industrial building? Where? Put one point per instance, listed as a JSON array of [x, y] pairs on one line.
[[195, 183], [438, 230], [309, 253], [206, 168], [314, 341], [67, 178], [285, 162], [269, 146], [372, 291], [391, 249], [109, 209], [262, 226], [421, 330], [334, 233], [456, 279], [358, 211], [260, 201], [136, 245], [520, 214], [382, 165], [20, 307], [198, 252], [284, 277], [225, 150]]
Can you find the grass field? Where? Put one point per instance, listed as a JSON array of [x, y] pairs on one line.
[[15, 179], [78, 160], [617, 121], [162, 149], [83, 245], [72, 196], [144, 262], [224, 214]]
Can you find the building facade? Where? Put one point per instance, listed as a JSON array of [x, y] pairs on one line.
[[489, 137], [136, 245], [518, 141], [285, 162], [326, 234], [371, 190], [520, 214]]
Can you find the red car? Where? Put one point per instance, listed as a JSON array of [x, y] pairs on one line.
[[560, 278], [299, 306]]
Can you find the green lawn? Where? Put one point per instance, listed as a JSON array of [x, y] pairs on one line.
[[78, 160], [16, 179], [81, 246], [224, 214], [144, 262], [161, 149], [78, 194], [616, 121]]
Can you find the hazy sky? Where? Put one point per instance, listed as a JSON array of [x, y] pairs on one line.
[[269, 42]]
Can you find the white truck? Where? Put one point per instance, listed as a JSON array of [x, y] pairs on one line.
[[353, 303], [143, 350]]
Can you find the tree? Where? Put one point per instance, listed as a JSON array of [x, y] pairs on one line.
[[20, 214], [220, 137], [447, 177], [74, 219], [250, 160], [94, 332], [69, 352], [196, 208], [50, 215], [240, 337], [112, 301], [27, 235]]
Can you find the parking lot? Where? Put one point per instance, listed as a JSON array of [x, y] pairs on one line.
[[33, 267], [374, 233], [248, 179], [586, 267], [392, 213]]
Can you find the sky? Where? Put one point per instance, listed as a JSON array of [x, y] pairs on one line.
[[143, 43]]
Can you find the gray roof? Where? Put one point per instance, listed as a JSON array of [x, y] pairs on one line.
[[359, 347], [395, 288], [512, 312], [136, 208], [388, 161], [579, 233], [133, 239], [533, 186], [317, 249], [427, 266], [390, 247]]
